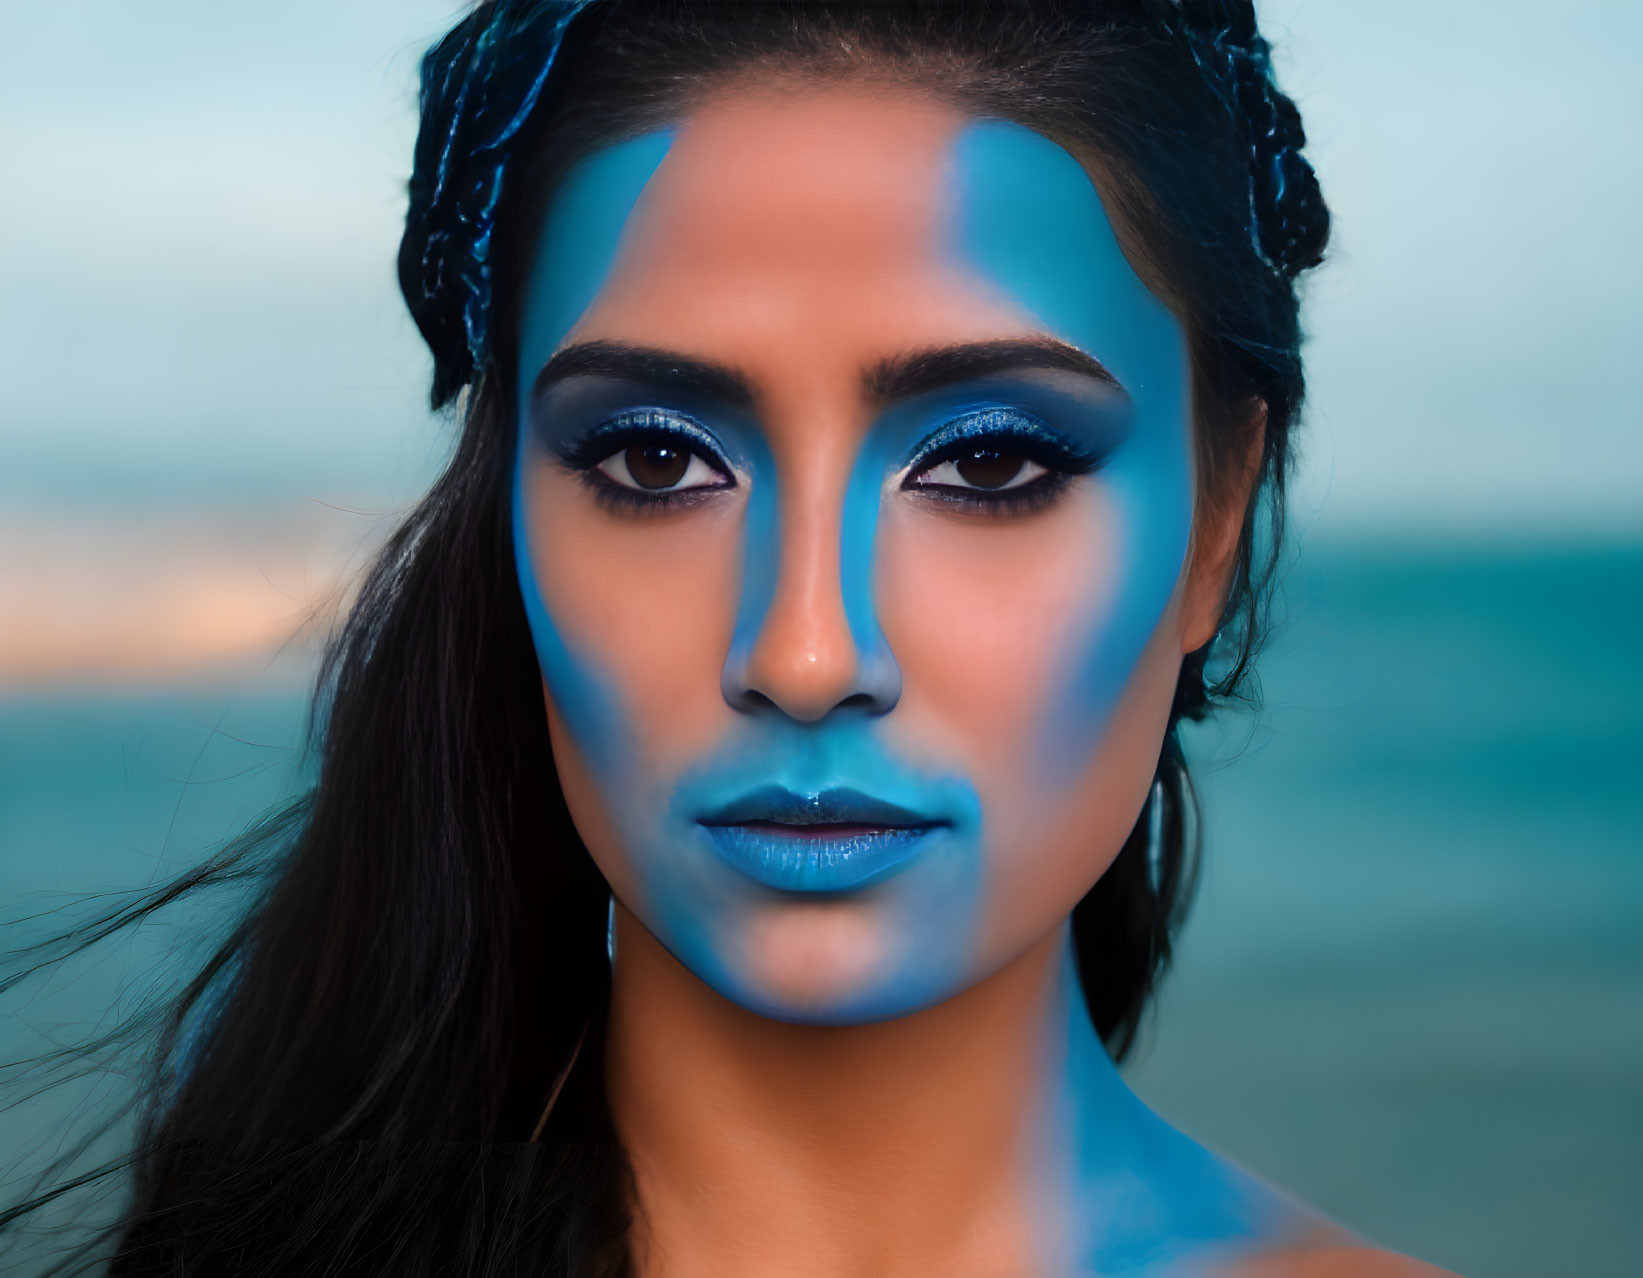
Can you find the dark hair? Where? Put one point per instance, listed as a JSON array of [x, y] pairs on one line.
[[368, 1053]]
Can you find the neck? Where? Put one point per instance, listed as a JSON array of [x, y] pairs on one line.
[[912, 1146]]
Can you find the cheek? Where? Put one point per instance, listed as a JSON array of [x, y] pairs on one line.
[[647, 607], [991, 624], [588, 810], [1056, 843], [986, 617]]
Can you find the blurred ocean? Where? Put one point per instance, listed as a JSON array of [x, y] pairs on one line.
[[1411, 990]]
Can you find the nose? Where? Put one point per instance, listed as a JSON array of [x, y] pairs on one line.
[[815, 646]]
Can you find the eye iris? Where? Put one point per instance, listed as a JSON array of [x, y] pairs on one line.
[[985, 468], [656, 465]]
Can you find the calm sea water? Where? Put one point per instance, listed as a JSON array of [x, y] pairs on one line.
[[1412, 986]]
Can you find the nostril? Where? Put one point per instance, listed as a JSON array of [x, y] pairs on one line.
[[753, 699], [872, 689]]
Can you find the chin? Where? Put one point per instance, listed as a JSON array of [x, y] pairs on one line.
[[827, 961]]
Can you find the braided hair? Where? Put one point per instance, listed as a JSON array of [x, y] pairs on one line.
[[479, 85], [1289, 223]]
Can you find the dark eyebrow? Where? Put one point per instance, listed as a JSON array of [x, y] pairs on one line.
[[667, 370], [897, 377], [915, 373]]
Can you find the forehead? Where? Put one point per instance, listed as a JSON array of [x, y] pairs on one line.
[[790, 177], [840, 215]]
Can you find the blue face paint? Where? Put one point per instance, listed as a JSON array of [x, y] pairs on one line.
[[574, 254], [1031, 222], [577, 246], [1027, 221]]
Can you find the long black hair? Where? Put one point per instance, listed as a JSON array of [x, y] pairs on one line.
[[352, 1082]]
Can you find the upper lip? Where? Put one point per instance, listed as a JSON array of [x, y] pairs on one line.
[[776, 805]]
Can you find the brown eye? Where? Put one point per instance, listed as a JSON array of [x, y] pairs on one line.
[[984, 468], [980, 472], [662, 468], [656, 465]]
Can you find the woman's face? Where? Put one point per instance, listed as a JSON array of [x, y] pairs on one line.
[[852, 509]]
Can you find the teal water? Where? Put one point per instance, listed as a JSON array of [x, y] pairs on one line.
[[1412, 987]]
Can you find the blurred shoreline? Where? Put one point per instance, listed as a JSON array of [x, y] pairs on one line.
[[139, 597]]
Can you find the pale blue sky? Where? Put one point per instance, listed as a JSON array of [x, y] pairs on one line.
[[200, 203]]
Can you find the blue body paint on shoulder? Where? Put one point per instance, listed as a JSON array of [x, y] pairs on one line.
[[1146, 1199]]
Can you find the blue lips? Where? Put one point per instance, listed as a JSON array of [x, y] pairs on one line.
[[837, 840]]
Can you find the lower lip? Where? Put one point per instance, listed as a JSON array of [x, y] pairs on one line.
[[817, 858]]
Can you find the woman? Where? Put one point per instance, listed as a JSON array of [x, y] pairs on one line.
[[750, 822]]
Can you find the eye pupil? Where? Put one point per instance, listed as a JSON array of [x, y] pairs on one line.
[[985, 468], [656, 465]]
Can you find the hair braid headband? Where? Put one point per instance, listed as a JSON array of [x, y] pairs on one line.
[[1288, 221], [481, 82]]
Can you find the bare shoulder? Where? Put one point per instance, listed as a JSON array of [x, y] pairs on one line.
[[1335, 1261]]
